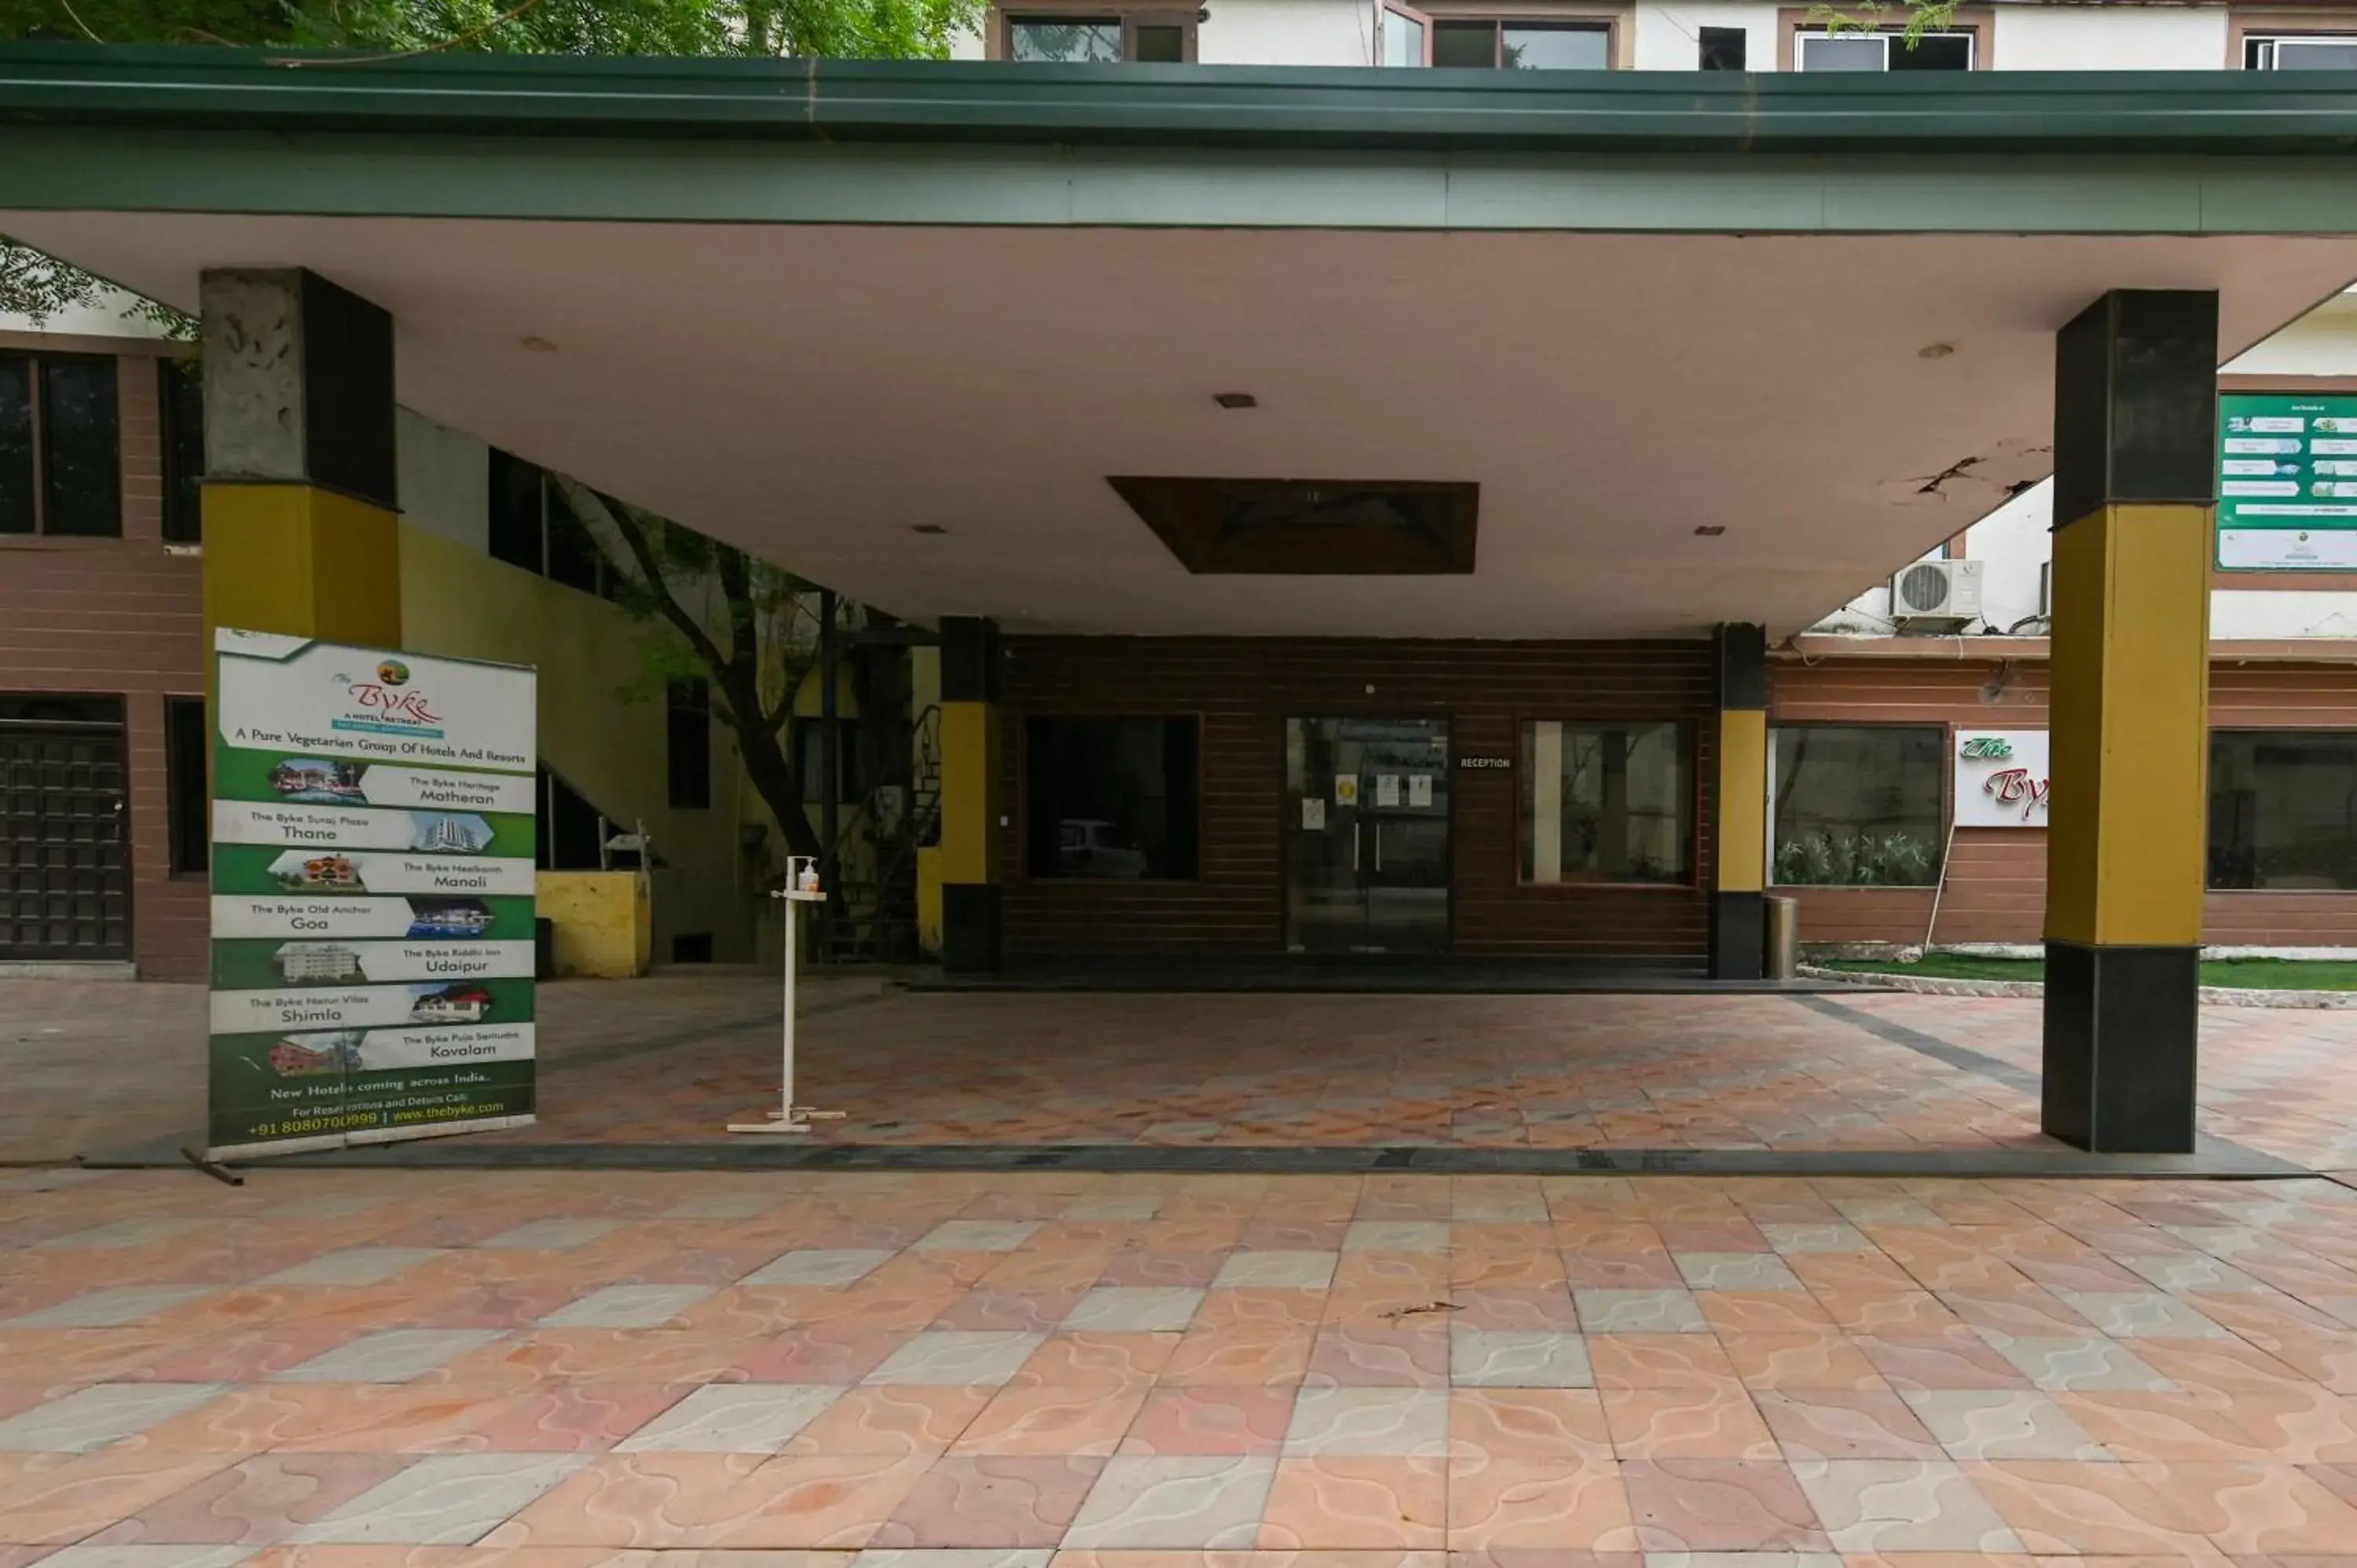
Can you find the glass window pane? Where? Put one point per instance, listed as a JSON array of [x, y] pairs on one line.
[[2283, 809], [2316, 54], [1606, 801], [687, 743], [1858, 806], [1848, 52], [1554, 48], [1933, 51], [180, 387], [81, 467], [15, 444], [1160, 45], [1465, 44], [1110, 798], [1402, 40], [1094, 41], [515, 523]]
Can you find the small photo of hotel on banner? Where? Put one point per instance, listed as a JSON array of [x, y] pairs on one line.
[[372, 886]]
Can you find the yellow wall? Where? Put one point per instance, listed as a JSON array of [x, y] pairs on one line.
[[604, 922], [456, 600]]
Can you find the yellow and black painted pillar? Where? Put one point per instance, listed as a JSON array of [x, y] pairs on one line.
[[300, 505], [2136, 384], [1739, 936], [972, 816]]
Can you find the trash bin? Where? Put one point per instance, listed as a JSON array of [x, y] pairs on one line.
[[1783, 931]]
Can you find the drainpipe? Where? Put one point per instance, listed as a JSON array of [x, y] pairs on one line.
[[830, 767]]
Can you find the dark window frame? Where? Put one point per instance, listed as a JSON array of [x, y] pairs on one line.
[[176, 380], [1027, 846], [189, 820], [1440, 13], [687, 759], [2213, 848], [560, 545], [1722, 48], [854, 759], [1976, 21], [1943, 797], [40, 518], [1695, 796], [1004, 20]]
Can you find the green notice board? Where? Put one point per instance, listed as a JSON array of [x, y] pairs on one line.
[[372, 895], [2286, 483]]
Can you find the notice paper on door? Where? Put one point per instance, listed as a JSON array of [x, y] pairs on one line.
[[1346, 788], [1313, 814], [1387, 788], [1419, 789]]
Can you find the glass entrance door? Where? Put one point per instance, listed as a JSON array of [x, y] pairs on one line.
[[1366, 836]]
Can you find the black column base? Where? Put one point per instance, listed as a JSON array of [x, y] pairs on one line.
[[1739, 935], [2121, 1025], [970, 942]]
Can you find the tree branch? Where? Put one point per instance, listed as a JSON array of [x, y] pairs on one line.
[[587, 503]]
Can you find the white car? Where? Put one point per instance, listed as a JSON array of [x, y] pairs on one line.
[[1087, 848]]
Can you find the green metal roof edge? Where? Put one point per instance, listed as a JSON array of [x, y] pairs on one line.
[[202, 88]]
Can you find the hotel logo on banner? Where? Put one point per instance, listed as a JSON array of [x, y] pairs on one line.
[[2001, 779], [373, 833]]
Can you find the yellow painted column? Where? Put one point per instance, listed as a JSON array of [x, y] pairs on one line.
[[1739, 934], [973, 810], [2135, 480]]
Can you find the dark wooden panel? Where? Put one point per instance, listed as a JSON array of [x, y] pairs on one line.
[[1244, 689]]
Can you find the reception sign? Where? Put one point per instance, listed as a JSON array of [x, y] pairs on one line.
[[371, 896], [2286, 483], [2001, 779]]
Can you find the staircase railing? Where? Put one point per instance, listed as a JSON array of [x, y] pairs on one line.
[[877, 916]]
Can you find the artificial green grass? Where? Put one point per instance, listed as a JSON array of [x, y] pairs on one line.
[[2249, 973]]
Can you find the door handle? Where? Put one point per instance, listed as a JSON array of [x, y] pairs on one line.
[[1379, 849], [1354, 846]]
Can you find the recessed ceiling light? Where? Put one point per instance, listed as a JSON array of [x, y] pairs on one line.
[[1235, 399], [1710, 529], [927, 528], [540, 345], [1935, 351]]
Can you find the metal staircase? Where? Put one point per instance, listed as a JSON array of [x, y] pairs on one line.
[[873, 918]]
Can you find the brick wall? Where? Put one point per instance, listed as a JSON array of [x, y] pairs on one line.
[[1244, 689], [121, 616], [1997, 878]]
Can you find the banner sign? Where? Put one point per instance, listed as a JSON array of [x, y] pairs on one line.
[[2001, 781], [2286, 483], [371, 896]]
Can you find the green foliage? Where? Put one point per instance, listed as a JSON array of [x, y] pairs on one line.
[[1830, 859], [1873, 16]]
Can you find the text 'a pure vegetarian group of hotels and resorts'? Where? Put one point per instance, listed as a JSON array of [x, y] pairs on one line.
[[372, 895]]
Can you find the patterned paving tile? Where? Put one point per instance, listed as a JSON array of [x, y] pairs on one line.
[[391, 1355], [93, 1417], [451, 1500]]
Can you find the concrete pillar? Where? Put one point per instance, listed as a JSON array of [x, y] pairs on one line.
[[2134, 484], [300, 509], [972, 821], [1739, 936]]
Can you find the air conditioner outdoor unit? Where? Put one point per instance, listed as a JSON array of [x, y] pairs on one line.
[[1937, 596]]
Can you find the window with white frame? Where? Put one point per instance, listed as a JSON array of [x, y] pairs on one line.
[[1850, 50], [2311, 51], [1113, 37], [1409, 36]]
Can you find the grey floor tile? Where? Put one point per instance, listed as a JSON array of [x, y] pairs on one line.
[[1112, 1210], [733, 1418], [354, 1266], [1795, 1241], [390, 1356], [1735, 1271], [2189, 1272], [2141, 1315], [626, 1306], [1396, 1236], [954, 1556], [1974, 1424], [90, 1418], [1639, 1311], [1517, 1359], [1360, 1420], [113, 1307], [967, 1358], [977, 1235], [1902, 1505], [1174, 1502], [123, 1234], [91, 1555], [1136, 1309], [820, 1266], [2058, 1363], [444, 1499], [552, 1235], [1276, 1271]]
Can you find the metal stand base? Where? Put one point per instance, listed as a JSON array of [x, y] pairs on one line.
[[800, 1122], [789, 1117]]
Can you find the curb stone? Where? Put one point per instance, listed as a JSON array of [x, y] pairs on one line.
[[2031, 990]]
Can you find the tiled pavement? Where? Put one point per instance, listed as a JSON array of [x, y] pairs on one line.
[[674, 1059], [409, 1370]]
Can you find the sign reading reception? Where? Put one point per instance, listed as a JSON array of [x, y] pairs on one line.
[[371, 896]]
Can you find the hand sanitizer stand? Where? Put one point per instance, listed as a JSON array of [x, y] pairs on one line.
[[802, 887]]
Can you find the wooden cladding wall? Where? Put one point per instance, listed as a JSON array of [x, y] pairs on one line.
[[121, 616], [1996, 882], [1244, 689]]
